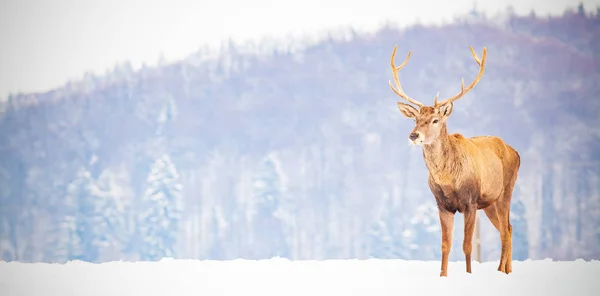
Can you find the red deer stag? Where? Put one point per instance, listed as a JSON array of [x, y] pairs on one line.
[[465, 174]]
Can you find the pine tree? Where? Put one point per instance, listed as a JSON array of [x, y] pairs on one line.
[[216, 249], [273, 210], [110, 208], [68, 244], [6, 250], [267, 188], [84, 220], [62, 242], [520, 243], [93, 219], [7, 253], [386, 235], [423, 237], [161, 209], [580, 9], [550, 233]]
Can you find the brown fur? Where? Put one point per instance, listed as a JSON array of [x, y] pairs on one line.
[[465, 174]]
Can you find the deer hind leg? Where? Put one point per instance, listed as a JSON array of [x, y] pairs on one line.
[[492, 213], [469, 218], [498, 214], [503, 210]]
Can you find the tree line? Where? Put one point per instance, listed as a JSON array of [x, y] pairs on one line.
[[302, 153]]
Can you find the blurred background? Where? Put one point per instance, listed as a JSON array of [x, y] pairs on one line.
[[137, 130]]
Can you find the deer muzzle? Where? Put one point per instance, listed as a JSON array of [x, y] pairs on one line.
[[413, 136]]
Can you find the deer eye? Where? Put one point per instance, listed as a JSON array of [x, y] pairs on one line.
[[434, 121]]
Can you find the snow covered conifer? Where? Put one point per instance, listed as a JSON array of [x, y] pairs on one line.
[[160, 211]]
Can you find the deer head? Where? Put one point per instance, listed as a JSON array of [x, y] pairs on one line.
[[430, 120]]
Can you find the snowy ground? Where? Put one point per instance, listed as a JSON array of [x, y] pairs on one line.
[[282, 277]]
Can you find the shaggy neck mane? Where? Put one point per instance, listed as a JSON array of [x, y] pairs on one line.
[[442, 157]]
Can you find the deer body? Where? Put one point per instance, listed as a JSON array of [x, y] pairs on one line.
[[465, 174], [458, 164]]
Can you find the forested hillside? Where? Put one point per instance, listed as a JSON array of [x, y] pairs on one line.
[[303, 153]]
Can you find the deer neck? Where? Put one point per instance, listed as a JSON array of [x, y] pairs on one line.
[[441, 158]]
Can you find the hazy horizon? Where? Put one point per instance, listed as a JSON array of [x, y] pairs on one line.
[[304, 154], [45, 45]]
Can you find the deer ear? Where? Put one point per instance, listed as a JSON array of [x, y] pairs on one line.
[[446, 109], [408, 110]]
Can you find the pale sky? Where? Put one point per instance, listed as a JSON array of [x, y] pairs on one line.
[[44, 43]]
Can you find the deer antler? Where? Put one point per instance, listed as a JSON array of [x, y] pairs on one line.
[[395, 70], [464, 90]]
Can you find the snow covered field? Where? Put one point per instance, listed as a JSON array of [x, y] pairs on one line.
[[282, 277]]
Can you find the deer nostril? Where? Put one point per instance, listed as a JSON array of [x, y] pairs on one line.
[[413, 136]]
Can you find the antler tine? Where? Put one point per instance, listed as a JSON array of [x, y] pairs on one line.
[[400, 91], [464, 90]]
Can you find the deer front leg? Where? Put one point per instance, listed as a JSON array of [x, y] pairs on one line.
[[469, 214], [447, 223]]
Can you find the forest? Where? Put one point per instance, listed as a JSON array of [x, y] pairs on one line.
[[259, 150]]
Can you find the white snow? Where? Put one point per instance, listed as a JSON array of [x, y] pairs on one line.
[[283, 277]]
